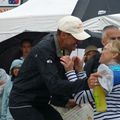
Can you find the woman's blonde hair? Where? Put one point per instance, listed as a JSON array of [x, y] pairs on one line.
[[115, 47]]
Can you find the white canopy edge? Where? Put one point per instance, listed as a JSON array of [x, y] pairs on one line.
[[97, 24], [34, 15]]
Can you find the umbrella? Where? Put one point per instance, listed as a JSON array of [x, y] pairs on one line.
[[95, 40], [10, 49], [86, 9]]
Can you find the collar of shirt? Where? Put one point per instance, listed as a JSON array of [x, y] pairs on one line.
[[60, 52]]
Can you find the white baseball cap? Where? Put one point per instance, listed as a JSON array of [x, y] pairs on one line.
[[74, 26]]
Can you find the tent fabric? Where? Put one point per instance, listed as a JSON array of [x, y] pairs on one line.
[[34, 15], [97, 24], [43, 15]]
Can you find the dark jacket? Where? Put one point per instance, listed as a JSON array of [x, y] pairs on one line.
[[92, 64], [42, 76]]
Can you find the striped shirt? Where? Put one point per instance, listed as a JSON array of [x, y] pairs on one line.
[[112, 99]]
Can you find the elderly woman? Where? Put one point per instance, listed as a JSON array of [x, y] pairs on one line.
[[110, 57]]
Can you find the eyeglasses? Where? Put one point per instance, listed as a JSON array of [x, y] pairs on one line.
[[115, 38]]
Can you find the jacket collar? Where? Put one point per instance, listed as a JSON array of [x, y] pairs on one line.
[[59, 52]]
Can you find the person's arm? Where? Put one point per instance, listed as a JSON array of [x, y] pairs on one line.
[[4, 103], [71, 75], [59, 100], [83, 96], [50, 75], [82, 75], [87, 95]]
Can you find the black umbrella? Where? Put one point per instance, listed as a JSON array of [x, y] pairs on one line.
[[86, 9], [95, 39], [10, 49]]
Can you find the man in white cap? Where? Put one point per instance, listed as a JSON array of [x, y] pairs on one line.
[[42, 76]]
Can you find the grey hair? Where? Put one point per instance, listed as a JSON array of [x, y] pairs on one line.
[[108, 28]]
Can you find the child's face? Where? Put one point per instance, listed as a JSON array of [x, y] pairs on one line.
[[16, 71]]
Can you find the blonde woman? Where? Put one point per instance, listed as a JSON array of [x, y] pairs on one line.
[[110, 57]]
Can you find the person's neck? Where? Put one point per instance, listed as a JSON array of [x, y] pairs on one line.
[[62, 47], [60, 43], [112, 62]]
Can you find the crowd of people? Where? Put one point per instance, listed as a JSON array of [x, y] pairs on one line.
[[6, 80], [46, 75]]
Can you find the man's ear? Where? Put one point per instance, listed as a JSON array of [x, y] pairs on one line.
[[63, 35]]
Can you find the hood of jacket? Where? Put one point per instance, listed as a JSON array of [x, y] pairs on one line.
[[17, 63]]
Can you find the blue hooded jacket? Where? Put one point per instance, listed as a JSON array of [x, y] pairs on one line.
[[5, 113]]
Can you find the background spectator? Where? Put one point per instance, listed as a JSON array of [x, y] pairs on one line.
[[14, 71], [90, 51], [109, 32], [25, 47], [3, 79]]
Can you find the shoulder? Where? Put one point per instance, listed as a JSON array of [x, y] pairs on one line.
[[44, 50], [46, 43]]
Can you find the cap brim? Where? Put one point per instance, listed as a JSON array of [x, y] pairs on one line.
[[81, 36]]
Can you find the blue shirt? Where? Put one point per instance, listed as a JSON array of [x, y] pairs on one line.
[[116, 72]]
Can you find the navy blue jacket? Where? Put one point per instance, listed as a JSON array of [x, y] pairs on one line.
[[42, 76]]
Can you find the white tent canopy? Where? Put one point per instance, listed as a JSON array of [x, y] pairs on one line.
[[43, 15], [98, 23], [34, 15]]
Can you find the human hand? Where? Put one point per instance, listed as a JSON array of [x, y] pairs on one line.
[[71, 103], [93, 80], [78, 64], [67, 62]]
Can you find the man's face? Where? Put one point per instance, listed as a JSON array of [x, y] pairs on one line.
[[26, 48], [111, 34], [68, 42]]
